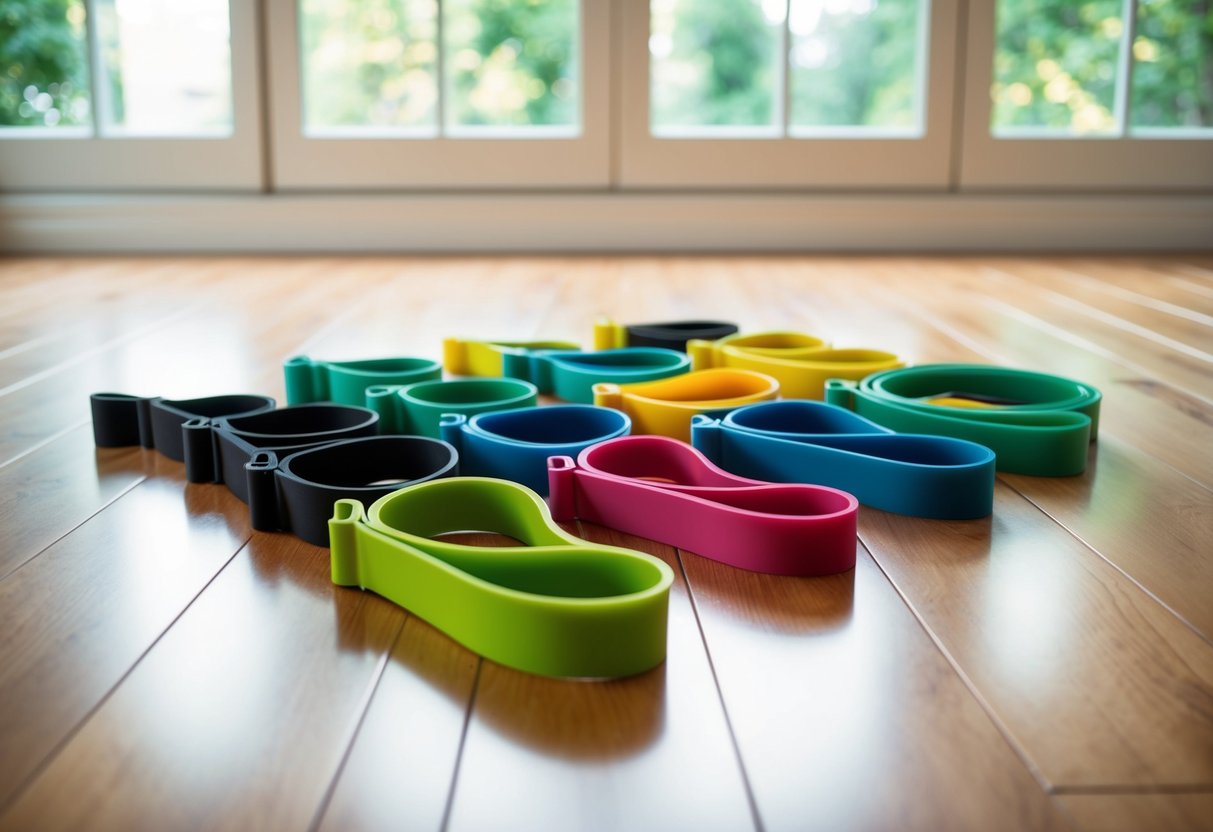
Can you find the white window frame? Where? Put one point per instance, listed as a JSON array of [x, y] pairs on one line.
[[82, 159], [490, 159], [1182, 161], [832, 159]]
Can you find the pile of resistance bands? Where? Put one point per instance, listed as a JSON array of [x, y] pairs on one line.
[[753, 450]]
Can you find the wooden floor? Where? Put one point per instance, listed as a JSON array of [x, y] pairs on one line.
[[163, 667]]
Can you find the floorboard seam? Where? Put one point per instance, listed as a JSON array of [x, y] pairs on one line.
[[359, 720], [745, 776], [46, 761], [463, 736], [992, 714]]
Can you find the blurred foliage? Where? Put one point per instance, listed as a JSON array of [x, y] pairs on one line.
[[369, 62], [830, 87], [1173, 73], [514, 62], [43, 70], [713, 63]]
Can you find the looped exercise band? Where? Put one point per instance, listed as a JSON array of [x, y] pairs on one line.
[[515, 444], [217, 450], [672, 335], [666, 406], [296, 493], [815, 442], [120, 420], [345, 382], [665, 490], [419, 408], [801, 363], [571, 376], [556, 605], [1035, 423], [484, 358]]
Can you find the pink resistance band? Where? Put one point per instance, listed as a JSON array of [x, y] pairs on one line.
[[665, 490]]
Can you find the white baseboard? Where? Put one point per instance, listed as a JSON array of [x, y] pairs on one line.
[[602, 222]]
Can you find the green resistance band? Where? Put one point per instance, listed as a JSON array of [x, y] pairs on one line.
[[556, 605], [345, 382], [1035, 423]]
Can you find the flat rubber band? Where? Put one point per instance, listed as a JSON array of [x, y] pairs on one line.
[[419, 408], [120, 420], [296, 493], [556, 605], [665, 490], [515, 444], [1048, 436], [217, 450], [670, 335], [665, 407], [801, 363], [815, 442], [571, 376], [345, 382], [484, 358]]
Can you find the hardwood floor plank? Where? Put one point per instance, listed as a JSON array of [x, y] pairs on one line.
[[863, 697], [68, 480], [1094, 681], [402, 760], [1167, 555], [221, 349], [79, 617], [240, 715], [1133, 812], [1004, 654], [649, 752]]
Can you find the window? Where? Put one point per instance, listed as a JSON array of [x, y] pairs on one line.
[[1087, 94], [787, 93], [595, 95], [440, 93], [128, 94]]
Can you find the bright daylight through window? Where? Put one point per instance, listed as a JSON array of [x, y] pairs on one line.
[[1077, 68], [718, 67], [139, 68], [418, 68]]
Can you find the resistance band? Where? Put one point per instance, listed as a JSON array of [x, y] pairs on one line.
[[672, 335], [556, 605], [815, 442], [665, 490], [571, 376], [1045, 431], [801, 363], [345, 382], [666, 406], [515, 444]]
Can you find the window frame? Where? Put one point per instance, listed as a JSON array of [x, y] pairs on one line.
[[488, 160], [36, 159], [1183, 161], [857, 160]]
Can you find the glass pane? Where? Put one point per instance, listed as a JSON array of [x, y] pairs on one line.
[[715, 64], [511, 63], [43, 64], [1055, 65], [855, 63], [168, 67], [1173, 64], [369, 64]]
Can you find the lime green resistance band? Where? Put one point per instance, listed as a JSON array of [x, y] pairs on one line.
[[556, 605]]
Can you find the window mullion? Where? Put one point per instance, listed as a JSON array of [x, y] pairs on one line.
[[97, 77], [1124, 75], [785, 71], [440, 69]]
